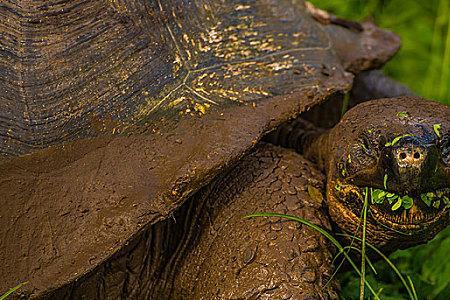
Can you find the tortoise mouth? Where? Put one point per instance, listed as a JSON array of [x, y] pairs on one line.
[[417, 215], [397, 210]]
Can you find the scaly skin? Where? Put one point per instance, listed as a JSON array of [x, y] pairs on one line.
[[237, 258]]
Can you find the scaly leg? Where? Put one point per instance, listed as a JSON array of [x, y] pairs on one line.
[[263, 258]]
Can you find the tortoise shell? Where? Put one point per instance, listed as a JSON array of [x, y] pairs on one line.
[[114, 112], [75, 70]]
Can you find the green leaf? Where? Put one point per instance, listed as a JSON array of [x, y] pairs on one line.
[[402, 114], [407, 202], [391, 199], [397, 204], [397, 139], [436, 128], [446, 200], [426, 199], [385, 181], [315, 193], [436, 204], [431, 195], [377, 196]]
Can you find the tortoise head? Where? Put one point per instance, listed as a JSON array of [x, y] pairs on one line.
[[396, 154]]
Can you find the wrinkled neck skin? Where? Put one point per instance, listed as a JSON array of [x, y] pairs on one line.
[[398, 146], [318, 150]]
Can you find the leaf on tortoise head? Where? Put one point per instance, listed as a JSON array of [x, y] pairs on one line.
[[437, 128], [436, 204], [397, 204], [426, 199], [402, 114], [391, 197], [397, 139], [407, 202], [315, 194], [378, 196]]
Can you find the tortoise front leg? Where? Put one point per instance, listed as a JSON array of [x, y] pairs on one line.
[[264, 258]]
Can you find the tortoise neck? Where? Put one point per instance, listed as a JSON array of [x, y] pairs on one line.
[[317, 148], [297, 134]]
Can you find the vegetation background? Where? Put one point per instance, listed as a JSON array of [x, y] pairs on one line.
[[423, 64]]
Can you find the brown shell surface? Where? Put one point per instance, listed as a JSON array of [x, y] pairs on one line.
[[77, 69], [114, 112]]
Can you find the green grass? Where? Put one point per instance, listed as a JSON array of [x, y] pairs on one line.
[[363, 246], [11, 291], [428, 267], [423, 64]]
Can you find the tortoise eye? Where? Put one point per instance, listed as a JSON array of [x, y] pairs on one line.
[[366, 145]]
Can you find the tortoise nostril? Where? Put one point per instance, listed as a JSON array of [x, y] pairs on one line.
[[402, 155], [416, 155]]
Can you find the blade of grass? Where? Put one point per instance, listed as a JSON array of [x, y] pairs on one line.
[[12, 290], [322, 231], [343, 260], [345, 103], [412, 287], [363, 247], [370, 7], [357, 250]]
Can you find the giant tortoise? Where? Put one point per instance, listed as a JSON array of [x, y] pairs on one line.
[[130, 144]]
